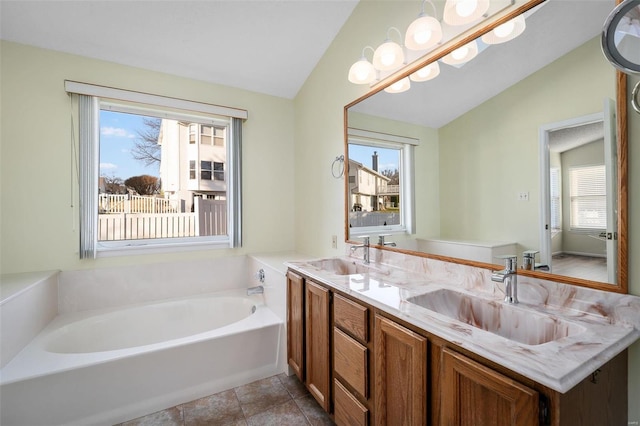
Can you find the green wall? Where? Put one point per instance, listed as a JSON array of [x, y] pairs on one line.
[[39, 198], [490, 154]]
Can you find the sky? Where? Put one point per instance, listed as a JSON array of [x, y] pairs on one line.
[[117, 138], [388, 159]]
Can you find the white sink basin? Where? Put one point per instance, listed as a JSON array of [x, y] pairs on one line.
[[338, 266], [520, 325]]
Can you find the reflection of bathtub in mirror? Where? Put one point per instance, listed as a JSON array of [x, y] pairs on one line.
[[479, 251]]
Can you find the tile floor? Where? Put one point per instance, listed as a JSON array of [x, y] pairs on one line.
[[279, 400]]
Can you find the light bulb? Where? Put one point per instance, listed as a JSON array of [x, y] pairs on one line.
[[423, 33], [466, 8], [387, 58], [505, 29], [425, 73], [399, 86], [361, 72], [460, 53]]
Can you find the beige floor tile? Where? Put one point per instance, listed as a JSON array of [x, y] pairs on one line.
[[261, 395], [220, 409], [287, 414]]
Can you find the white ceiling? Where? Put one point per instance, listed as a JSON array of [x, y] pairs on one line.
[[263, 46]]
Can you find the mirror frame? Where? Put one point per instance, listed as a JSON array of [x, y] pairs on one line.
[[621, 286]]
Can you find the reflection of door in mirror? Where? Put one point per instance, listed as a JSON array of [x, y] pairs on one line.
[[578, 197]]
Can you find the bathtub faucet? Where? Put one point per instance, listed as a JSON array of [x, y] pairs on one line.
[[255, 290]]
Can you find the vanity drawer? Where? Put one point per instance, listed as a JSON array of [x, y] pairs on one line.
[[347, 409], [351, 317], [350, 361]]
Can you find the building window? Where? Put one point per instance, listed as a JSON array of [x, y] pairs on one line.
[[128, 140], [206, 135], [218, 171], [219, 136], [383, 200], [193, 129], [588, 195], [205, 170]]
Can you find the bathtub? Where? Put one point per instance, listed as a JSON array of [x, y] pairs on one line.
[[110, 365]]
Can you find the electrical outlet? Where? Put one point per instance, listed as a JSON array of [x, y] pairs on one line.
[[334, 241], [523, 196]]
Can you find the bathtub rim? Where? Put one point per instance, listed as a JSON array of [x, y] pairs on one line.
[[35, 361]]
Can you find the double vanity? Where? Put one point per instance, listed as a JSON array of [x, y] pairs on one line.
[[414, 340]]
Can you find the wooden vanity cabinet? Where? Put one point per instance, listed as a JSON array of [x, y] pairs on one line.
[[295, 324], [473, 394], [351, 365], [317, 326], [401, 375], [367, 367], [308, 339]]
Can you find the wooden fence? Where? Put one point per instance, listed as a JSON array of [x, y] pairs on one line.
[[125, 203], [209, 218]]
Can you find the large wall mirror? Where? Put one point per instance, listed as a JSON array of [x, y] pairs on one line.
[[522, 150]]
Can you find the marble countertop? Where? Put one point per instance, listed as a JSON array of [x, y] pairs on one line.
[[603, 323]]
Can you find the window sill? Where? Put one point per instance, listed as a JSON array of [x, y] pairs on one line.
[[135, 248]]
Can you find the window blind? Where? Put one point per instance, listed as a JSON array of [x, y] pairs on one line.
[[588, 195]]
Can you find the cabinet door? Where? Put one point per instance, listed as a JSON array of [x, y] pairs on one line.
[[401, 375], [473, 394], [295, 324], [317, 343]]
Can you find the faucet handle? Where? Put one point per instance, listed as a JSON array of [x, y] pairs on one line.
[[365, 239], [529, 259], [510, 261]]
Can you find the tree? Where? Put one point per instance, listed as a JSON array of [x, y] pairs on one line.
[[394, 175], [146, 147], [144, 184], [113, 185]]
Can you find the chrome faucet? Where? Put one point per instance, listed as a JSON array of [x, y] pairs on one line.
[[381, 241], [529, 261], [509, 277], [365, 246], [255, 290]]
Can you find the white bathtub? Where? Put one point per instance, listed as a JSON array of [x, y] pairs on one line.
[[110, 365]]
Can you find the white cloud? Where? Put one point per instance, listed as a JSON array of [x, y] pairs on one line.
[[108, 166], [117, 132]]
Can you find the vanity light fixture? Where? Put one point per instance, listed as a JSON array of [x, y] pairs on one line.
[[424, 32], [505, 32], [462, 12], [462, 54], [399, 86], [389, 55], [426, 73], [362, 72]]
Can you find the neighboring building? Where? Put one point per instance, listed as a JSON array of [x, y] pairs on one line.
[[367, 187], [193, 160]]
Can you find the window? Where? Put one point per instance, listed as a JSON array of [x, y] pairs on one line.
[[205, 170], [587, 191], [148, 143], [219, 135], [206, 134], [218, 171], [381, 196], [193, 129]]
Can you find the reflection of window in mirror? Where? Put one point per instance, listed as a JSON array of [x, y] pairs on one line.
[[379, 176], [588, 198]]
